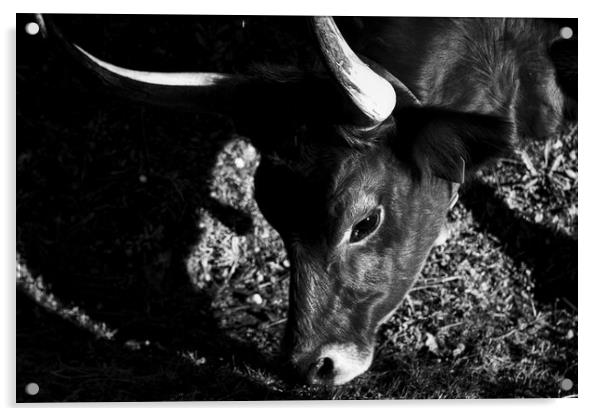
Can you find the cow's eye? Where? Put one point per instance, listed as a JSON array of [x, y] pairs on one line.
[[365, 227]]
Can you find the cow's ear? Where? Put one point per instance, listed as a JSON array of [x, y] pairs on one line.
[[452, 144]]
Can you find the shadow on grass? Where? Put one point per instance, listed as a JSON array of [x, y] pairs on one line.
[[551, 255], [108, 204], [71, 364]]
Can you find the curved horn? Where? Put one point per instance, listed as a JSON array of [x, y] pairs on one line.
[[185, 89], [373, 95], [174, 79]]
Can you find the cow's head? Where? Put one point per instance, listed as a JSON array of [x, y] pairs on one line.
[[358, 197], [358, 224], [360, 205]]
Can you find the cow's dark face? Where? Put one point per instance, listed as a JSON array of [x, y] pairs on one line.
[[357, 227]]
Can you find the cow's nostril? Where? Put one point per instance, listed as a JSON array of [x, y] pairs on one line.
[[325, 368], [322, 371]]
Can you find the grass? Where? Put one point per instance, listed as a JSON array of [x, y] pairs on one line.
[[146, 271]]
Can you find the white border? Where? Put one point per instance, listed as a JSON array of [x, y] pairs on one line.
[[589, 205], [506, 8]]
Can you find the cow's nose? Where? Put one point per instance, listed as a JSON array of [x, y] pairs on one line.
[[337, 364]]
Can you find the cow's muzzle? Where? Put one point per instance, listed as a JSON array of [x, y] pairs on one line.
[[332, 364]]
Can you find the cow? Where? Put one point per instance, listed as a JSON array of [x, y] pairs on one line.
[[362, 160]]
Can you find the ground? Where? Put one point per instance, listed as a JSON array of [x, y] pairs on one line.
[[146, 272]]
